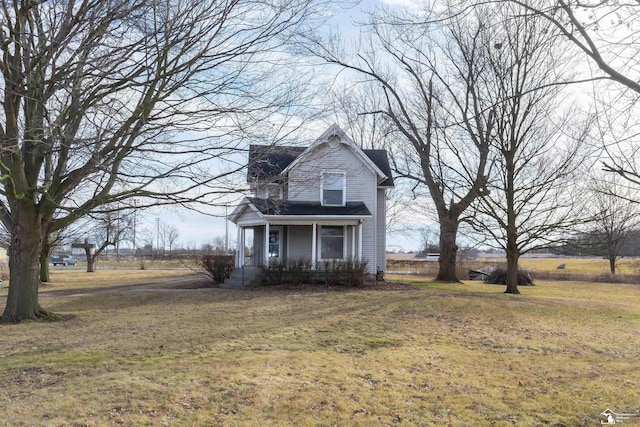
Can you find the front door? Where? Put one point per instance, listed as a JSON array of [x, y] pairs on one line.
[[274, 244]]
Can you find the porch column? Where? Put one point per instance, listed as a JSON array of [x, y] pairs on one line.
[[314, 245], [242, 245], [353, 242], [266, 244], [360, 241], [345, 242], [238, 248]]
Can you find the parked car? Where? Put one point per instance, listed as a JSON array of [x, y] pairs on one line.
[[63, 260]]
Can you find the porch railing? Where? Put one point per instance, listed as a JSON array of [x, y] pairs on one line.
[[251, 267]]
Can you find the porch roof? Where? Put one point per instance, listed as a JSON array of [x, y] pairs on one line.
[[270, 207]]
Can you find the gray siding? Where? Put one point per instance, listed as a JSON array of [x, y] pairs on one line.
[[248, 215], [304, 178], [299, 241], [258, 245], [361, 185], [381, 230], [349, 236]]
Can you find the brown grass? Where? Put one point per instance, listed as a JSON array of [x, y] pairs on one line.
[[427, 354], [580, 265], [74, 279], [577, 269]]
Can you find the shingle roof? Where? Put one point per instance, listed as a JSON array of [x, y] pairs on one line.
[[379, 157], [282, 207], [268, 161]]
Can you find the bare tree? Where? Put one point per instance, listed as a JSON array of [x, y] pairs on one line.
[[54, 240], [600, 29], [107, 230], [426, 74], [536, 147], [146, 241], [429, 241], [606, 33], [215, 246], [107, 100], [167, 236], [171, 236], [615, 218], [352, 107]]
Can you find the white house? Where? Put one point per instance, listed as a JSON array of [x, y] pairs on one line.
[[323, 202]]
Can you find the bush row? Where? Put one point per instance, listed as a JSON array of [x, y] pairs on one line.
[[299, 271]]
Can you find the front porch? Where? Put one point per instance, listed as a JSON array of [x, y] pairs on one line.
[[317, 241], [290, 230]]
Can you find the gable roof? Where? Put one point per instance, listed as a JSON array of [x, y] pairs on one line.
[[266, 162], [380, 158]]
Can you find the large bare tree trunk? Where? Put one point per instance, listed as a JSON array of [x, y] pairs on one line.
[[91, 262], [91, 258], [44, 260], [512, 250], [448, 251], [24, 269], [612, 264], [512, 266]]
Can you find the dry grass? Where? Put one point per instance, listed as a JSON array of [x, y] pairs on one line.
[[74, 279], [428, 355], [580, 269], [580, 265]]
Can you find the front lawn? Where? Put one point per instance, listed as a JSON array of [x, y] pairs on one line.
[[560, 353]]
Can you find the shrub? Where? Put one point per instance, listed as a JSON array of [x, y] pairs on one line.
[[355, 271], [217, 267], [291, 272], [333, 272], [272, 273], [298, 271], [350, 272], [499, 277]]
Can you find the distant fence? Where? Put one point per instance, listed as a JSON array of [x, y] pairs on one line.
[[412, 266]]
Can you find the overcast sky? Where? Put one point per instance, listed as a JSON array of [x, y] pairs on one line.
[[196, 228]]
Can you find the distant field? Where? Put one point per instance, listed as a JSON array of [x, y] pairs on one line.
[[423, 354], [577, 267], [580, 265], [76, 279]]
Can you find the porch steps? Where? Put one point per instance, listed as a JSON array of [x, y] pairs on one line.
[[232, 283], [235, 280]]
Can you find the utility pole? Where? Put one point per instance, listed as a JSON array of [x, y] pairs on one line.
[[157, 237], [135, 215], [118, 234], [226, 230]]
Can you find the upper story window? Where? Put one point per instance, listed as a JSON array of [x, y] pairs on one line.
[[274, 191], [334, 189]]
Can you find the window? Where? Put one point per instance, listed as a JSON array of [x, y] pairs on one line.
[[274, 243], [273, 191], [333, 189], [332, 242]]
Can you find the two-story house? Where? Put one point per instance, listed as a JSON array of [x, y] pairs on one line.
[[323, 202]]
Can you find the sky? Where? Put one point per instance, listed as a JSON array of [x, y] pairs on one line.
[[196, 228]]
